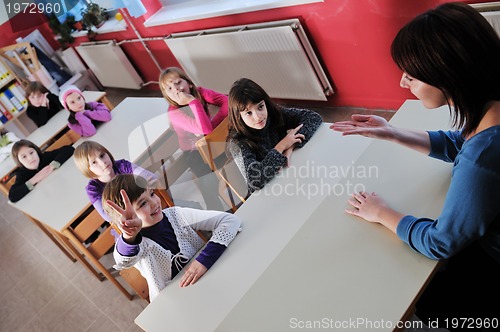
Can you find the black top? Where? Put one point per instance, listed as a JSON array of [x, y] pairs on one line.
[[19, 188], [41, 115]]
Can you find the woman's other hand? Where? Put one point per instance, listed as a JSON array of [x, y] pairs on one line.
[[365, 125]]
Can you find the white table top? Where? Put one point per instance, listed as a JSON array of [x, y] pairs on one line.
[[306, 259], [61, 197], [48, 131]]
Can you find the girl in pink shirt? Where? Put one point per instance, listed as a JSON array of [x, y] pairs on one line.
[[190, 118]]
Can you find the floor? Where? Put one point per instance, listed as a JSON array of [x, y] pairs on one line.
[[42, 290]]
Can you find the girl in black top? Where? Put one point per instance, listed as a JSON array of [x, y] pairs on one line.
[[34, 166], [42, 105]]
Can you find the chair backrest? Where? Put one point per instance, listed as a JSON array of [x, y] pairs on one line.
[[165, 159], [213, 145], [133, 277], [235, 182], [67, 138]]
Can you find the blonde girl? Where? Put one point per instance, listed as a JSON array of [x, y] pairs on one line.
[[99, 165]]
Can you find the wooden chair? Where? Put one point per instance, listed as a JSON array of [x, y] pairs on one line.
[[237, 189], [79, 232], [213, 146], [164, 159], [134, 278], [68, 138]]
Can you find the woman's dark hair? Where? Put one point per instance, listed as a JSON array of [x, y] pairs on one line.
[[245, 92], [456, 50], [23, 143]]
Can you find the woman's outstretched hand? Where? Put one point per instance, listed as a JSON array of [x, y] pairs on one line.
[[129, 223], [365, 125]]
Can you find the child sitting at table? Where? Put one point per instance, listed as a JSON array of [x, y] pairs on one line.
[[188, 112], [262, 135], [34, 166], [42, 104], [159, 243], [99, 165], [83, 116]]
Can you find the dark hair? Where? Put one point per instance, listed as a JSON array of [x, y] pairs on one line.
[[82, 154], [72, 115], [245, 92], [133, 185], [35, 86], [23, 143], [180, 73], [456, 50]]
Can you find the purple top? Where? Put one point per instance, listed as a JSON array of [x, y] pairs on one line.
[[84, 125], [163, 234], [95, 187]]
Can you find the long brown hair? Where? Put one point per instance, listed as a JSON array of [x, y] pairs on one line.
[[181, 74], [82, 154], [245, 92], [23, 143]]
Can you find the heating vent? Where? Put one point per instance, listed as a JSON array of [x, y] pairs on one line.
[[494, 19], [276, 55], [110, 65], [491, 11]]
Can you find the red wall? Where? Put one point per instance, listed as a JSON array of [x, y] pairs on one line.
[[352, 39]]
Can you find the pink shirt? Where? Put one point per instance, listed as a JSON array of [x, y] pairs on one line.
[[191, 122]]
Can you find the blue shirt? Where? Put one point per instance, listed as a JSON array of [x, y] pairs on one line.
[[471, 209]]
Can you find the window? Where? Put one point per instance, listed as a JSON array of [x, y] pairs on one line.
[[184, 10]]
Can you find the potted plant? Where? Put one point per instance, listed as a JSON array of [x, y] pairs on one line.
[[63, 30], [94, 15]]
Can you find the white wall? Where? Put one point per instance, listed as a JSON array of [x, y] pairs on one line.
[[3, 13]]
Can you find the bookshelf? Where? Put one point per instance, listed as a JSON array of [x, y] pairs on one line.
[[13, 102]]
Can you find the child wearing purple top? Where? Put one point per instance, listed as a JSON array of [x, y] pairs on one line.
[[99, 165], [83, 116], [159, 243]]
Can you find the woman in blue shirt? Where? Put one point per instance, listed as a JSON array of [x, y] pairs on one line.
[[449, 56]]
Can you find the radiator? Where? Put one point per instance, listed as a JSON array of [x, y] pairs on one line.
[[110, 65], [491, 11], [276, 55], [494, 19]]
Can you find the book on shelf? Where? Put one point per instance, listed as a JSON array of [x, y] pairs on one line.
[[3, 119], [8, 104], [5, 113], [18, 92], [5, 75], [17, 104]]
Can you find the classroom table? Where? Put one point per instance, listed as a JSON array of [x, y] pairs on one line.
[[64, 191], [301, 261], [45, 134], [60, 199]]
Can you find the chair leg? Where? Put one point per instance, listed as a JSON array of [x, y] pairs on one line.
[[53, 238], [79, 256], [98, 264]]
